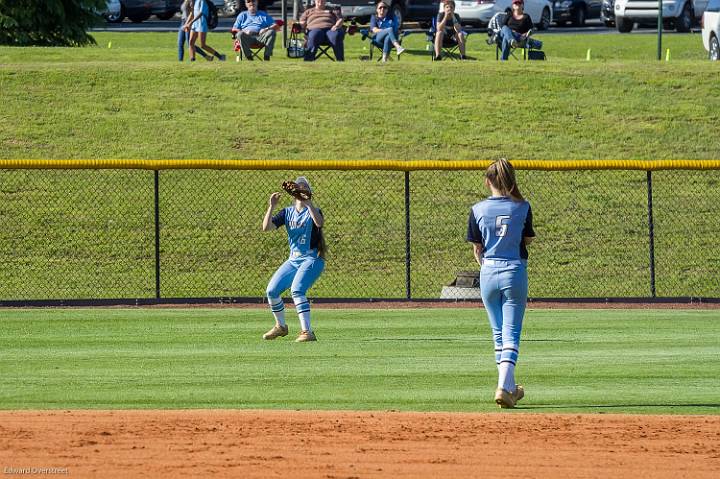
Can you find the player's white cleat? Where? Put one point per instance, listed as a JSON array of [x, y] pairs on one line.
[[305, 336], [504, 399], [276, 332], [519, 393]]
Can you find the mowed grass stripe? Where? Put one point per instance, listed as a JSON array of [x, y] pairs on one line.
[[624, 361]]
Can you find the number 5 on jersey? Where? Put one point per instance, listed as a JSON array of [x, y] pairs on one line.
[[500, 225]]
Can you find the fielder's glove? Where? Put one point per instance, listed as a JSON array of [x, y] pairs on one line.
[[296, 190]]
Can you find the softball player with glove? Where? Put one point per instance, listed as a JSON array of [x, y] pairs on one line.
[[500, 228], [303, 223]]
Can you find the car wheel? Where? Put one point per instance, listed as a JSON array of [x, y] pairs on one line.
[[138, 18], [579, 17], [231, 8], [624, 25], [684, 21], [714, 49], [398, 14], [544, 20], [116, 18]]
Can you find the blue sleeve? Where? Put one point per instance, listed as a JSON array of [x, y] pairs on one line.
[[473, 232], [528, 229], [373, 22], [268, 21], [239, 21], [279, 219], [395, 26]]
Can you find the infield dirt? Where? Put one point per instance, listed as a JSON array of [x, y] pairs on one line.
[[331, 444]]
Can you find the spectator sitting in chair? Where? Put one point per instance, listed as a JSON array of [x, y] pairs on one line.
[[386, 29], [517, 30], [255, 26], [448, 25], [323, 24]]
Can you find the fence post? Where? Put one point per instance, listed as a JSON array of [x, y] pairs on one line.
[[651, 233], [157, 234], [408, 291]]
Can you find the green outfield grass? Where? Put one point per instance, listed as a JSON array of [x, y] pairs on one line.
[[620, 361], [135, 101]]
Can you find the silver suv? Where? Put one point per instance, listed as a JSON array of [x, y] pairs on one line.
[[680, 14]]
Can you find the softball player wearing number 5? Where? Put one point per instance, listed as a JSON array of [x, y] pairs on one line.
[[303, 222], [500, 228]]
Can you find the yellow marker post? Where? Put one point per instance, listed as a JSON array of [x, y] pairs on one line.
[[587, 57], [667, 55], [109, 44]]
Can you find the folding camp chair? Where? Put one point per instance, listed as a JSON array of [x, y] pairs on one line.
[[256, 47], [374, 45], [325, 48], [450, 47], [529, 46]]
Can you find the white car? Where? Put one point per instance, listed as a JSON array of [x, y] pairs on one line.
[[680, 14], [711, 29], [479, 12]]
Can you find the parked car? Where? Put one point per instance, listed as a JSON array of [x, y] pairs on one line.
[[607, 13], [140, 10], [678, 14], [575, 11], [479, 12], [112, 10], [232, 8], [410, 10], [711, 29]]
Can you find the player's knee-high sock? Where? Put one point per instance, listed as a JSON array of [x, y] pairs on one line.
[[302, 306], [508, 359], [497, 339], [278, 309]]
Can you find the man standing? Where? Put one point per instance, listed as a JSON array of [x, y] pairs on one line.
[[253, 26]]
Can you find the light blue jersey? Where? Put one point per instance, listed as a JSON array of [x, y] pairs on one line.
[[303, 235], [500, 224]]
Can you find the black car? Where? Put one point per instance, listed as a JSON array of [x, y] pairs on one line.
[[140, 10], [575, 11], [607, 13]]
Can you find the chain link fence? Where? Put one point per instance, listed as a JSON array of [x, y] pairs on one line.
[[99, 234]]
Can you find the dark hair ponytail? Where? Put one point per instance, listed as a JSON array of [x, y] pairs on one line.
[[501, 175]]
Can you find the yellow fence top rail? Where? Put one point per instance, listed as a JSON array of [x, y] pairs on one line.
[[391, 165]]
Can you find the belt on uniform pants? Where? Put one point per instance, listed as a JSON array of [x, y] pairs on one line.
[[297, 254], [502, 262]]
